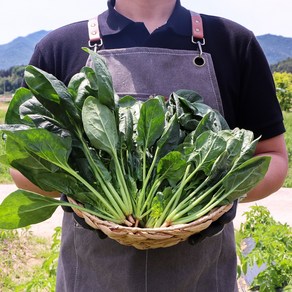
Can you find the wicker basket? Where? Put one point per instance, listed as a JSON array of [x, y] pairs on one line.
[[149, 238]]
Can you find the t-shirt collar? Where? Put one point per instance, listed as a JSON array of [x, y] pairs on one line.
[[112, 22]]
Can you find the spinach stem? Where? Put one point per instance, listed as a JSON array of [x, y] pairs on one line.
[[192, 205], [185, 202], [141, 199], [124, 188], [94, 191], [98, 214], [110, 192], [172, 204], [207, 208], [176, 206]]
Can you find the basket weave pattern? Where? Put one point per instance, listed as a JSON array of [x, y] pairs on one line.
[[149, 238]]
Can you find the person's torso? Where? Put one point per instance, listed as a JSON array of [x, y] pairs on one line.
[[243, 75]]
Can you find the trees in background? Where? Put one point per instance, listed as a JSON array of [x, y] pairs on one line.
[[11, 79], [283, 83], [283, 66]]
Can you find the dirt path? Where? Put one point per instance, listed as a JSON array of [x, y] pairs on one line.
[[279, 204]]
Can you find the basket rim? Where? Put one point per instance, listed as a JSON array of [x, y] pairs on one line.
[[217, 211]]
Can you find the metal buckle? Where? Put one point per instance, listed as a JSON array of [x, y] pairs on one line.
[[95, 45], [199, 60]]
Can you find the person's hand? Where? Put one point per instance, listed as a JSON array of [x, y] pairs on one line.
[[80, 220], [216, 227]]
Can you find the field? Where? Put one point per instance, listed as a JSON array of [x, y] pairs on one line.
[[28, 263]]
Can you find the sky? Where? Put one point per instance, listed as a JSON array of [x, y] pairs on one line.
[[20, 18]]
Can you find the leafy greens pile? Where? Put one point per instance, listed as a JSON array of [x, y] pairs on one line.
[[148, 164]]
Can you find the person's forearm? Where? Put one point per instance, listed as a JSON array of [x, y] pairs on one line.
[[23, 183], [277, 171]]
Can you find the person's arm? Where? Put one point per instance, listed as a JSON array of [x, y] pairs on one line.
[[277, 172], [23, 183]]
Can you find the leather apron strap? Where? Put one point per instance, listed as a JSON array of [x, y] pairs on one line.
[[95, 37]]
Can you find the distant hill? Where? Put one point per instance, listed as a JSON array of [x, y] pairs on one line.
[[276, 48], [19, 51]]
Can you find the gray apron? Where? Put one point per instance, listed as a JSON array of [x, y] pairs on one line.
[[90, 264]]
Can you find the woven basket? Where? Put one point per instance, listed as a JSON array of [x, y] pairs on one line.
[[149, 238]]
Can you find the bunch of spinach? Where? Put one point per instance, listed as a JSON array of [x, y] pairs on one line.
[[154, 163]]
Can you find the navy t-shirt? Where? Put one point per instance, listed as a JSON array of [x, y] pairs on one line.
[[244, 77]]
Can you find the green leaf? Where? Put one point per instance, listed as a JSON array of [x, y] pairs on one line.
[[189, 95], [126, 127], [100, 125], [248, 147], [43, 84], [106, 94], [78, 87], [44, 144], [208, 122], [245, 177], [28, 164], [208, 148], [13, 112], [170, 137], [172, 167], [27, 110], [93, 84], [126, 101], [52, 94], [151, 122], [32, 107], [22, 208]]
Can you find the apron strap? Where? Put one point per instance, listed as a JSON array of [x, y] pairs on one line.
[[198, 34], [94, 34], [197, 26], [197, 31]]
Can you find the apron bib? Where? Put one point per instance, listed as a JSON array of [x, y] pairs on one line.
[[142, 72], [90, 264]]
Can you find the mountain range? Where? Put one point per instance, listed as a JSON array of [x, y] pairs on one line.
[[19, 51]]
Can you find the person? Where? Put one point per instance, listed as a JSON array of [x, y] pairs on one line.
[[158, 47]]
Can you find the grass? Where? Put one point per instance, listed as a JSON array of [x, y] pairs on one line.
[[20, 253], [27, 262]]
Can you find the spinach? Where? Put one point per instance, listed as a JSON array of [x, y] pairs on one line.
[[150, 164]]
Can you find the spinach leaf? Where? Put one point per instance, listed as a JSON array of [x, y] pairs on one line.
[[100, 125], [52, 94], [103, 80], [13, 115], [150, 123], [31, 208]]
